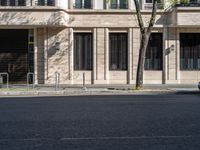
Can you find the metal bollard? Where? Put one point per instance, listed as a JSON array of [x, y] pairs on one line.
[[1, 81], [29, 79], [84, 87], [57, 81]]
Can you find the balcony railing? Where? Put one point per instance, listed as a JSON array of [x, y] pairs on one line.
[[27, 3]]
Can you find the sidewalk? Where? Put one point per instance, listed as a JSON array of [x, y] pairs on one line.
[[78, 90]]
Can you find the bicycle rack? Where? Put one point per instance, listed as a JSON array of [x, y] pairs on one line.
[[7, 78], [28, 79], [57, 80]]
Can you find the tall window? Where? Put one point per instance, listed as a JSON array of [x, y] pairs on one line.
[[83, 51], [190, 51], [118, 4], [154, 53], [87, 4], [118, 51]]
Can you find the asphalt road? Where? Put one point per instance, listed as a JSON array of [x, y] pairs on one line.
[[148, 122]]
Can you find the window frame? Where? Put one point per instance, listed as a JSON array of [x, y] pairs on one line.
[[88, 68], [6, 3], [161, 54], [118, 5], [110, 53], [82, 4], [46, 3], [195, 50], [159, 2]]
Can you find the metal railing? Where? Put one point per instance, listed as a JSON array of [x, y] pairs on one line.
[[57, 80], [7, 78], [29, 75]]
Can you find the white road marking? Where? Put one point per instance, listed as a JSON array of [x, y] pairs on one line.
[[104, 138]]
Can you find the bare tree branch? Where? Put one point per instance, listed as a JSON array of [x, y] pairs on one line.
[[153, 16], [139, 16], [145, 32]]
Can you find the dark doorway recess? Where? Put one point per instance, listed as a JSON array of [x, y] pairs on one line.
[[14, 54]]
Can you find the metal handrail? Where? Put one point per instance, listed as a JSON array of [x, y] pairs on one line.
[[57, 80], [7, 78], [28, 77]]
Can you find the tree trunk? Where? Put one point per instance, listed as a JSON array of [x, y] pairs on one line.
[[145, 32], [141, 60]]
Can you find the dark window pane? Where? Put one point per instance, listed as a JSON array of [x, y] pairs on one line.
[[149, 1], [78, 4], [190, 51], [118, 51], [50, 2], [12, 2], [194, 1], [87, 4], [41, 2], [83, 51], [3, 2], [153, 60], [21, 2], [12, 40], [123, 4], [113, 4]]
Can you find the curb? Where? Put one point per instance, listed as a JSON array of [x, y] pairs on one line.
[[83, 92]]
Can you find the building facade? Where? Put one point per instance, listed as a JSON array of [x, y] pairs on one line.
[[100, 39]]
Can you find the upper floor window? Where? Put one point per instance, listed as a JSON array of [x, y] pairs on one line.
[[3, 3], [148, 4], [12, 2], [188, 3], [79, 4], [45, 2], [151, 1], [23, 2], [118, 4]]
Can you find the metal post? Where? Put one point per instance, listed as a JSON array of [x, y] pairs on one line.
[[28, 77], [84, 87], [57, 80]]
